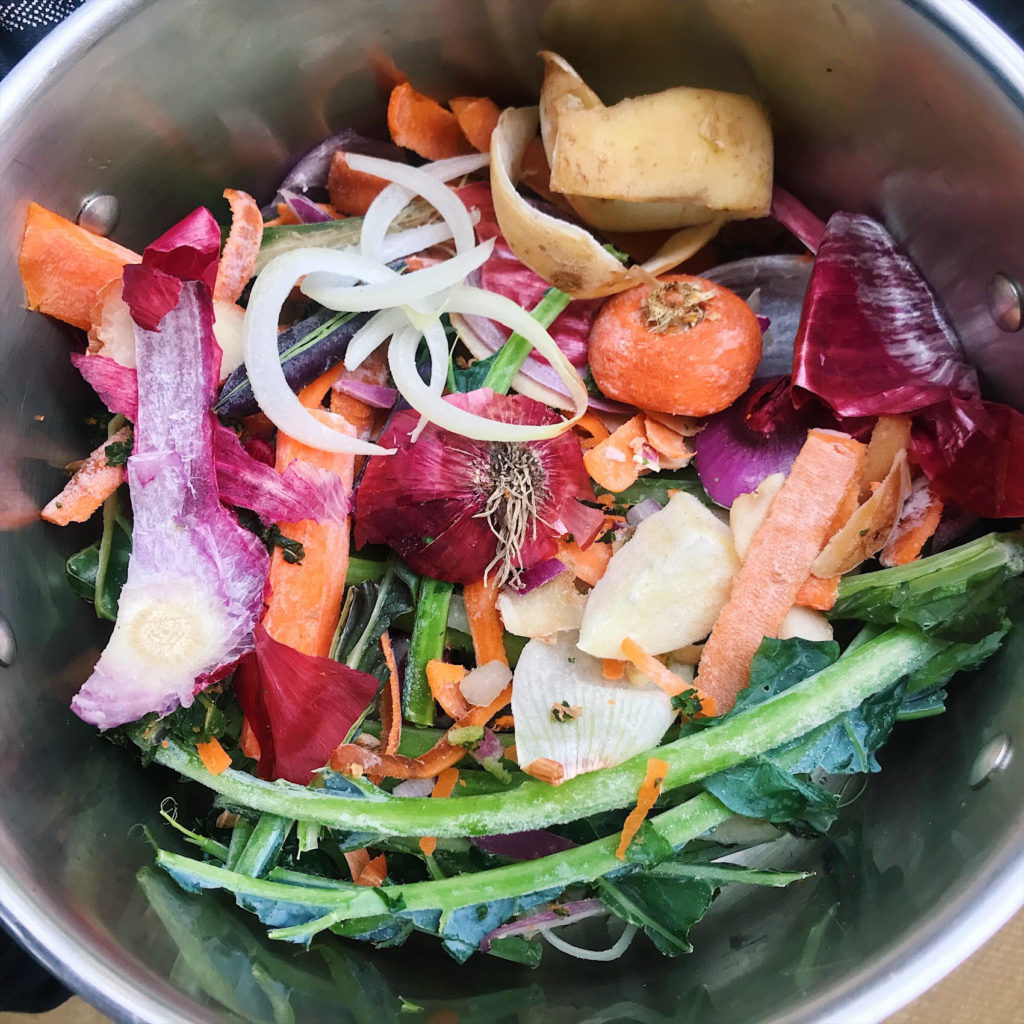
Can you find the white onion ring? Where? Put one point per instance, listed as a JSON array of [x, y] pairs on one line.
[[397, 289], [613, 953], [414, 181], [263, 362]]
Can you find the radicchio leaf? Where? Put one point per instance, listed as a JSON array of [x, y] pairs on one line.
[[195, 579], [300, 707], [872, 338]]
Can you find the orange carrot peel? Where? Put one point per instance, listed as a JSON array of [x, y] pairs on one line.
[[94, 481], [214, 757], [650, 790], [663, 677], [443, 680], [238, 260], [444, 787], [485, 626], [613, 463], [391, 701]]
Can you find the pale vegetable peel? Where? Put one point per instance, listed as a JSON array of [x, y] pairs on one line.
[[566, 711]]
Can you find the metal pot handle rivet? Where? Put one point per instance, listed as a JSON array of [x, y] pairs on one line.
[[1006, 302], [8, 648], [99, 214], [993, 757]]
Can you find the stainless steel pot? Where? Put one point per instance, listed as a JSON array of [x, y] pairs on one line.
[[909, 110]]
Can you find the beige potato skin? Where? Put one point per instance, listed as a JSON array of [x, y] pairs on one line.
[[709, 152]]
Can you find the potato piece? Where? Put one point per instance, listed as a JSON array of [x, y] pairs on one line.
[[748, 511], [711, 151], [806, 624], [551, 608], [563, 89], [666, 586], [890, 436]]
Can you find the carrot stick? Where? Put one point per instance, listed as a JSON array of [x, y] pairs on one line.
[[919, 520], [612, 464], [779, 560], [63, 266], [238, 260], [477, 117], [444, 680], [391, 701], [484, 622], [351, 757], [650, 790], [658, 674], [421, 124], [351, 191], [94, 481], [444, 787], [588, 565], [214, 757], [305, 597], [546, 769], [819, 593]]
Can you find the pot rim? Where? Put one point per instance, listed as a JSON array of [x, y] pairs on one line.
[[883, 985]]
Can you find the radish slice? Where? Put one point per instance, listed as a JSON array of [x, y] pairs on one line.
[[484, 683]]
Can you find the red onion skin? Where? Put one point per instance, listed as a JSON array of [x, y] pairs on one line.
[[538, 575], [425, 500], [524, 845], [793, 215]]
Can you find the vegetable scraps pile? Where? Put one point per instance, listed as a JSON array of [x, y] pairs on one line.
[[496, 573]]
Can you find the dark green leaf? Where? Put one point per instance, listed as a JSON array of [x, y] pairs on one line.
[[518, 949], [118, 452], [657, 486], [472, 377], [665, 909], [648, 846], [83, 569], [462, 930]]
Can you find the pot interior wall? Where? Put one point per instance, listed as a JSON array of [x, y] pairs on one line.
[[163, 104]]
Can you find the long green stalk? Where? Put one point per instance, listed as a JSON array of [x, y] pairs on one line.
[[428, 635], [343, 901], [513, 353], [832, 692]]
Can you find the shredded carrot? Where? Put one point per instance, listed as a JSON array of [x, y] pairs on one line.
[[250, 746], [779, 560], [444, 787], [913, 528], [313, 394], [444, 680], [444, 754], [94, 481], [588, 565], [612, 464], [594, 429], [214, 757], [351, 191], [545, 769], [666, 441], [612, 668], [238, 260], [818, 593], [650, 790], [63, 267], [421, 124], [511, 754], [484, 622], [366, 870], [305, 597], [658, 674], [477, 117], [391, 701], [503, 723]]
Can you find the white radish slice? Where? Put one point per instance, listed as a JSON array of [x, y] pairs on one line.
[[565, 710], [263, 362]]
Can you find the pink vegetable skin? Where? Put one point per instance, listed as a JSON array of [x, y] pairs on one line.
[[195, 578]]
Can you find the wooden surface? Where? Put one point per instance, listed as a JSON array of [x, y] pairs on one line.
[[988, 988]]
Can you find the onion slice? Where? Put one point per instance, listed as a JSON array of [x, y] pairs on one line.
[[262, 360], [612, 953], [415, 181]]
